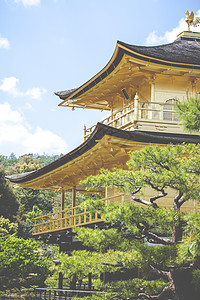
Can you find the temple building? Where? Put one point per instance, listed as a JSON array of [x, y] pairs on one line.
[[139, 87]]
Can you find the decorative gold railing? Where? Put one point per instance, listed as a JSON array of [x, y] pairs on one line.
[[70, 217], [127, 117], [77, 216]]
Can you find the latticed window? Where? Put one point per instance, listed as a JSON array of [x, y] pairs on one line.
[[169, 112]]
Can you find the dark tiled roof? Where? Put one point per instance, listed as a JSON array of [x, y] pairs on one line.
[[98, 134], [65, 93], [185, 51], [18, 176]]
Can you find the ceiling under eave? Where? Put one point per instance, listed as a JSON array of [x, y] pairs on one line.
[[107, 147]]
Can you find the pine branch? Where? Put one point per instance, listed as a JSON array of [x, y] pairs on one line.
[[166, 293], [138, 200], [164, 166], [161, 273], [152, 199], [113, 265], [153, 169], [152, 237], [177, 201]]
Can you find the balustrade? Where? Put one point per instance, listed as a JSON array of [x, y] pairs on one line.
[[126, 117], [77, 216], [71, 217]]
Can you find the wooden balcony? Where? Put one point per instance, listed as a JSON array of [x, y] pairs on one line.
[[71, 217], [143, 115], [76, 216]]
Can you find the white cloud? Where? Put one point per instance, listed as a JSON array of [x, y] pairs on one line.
[[35, 93], [28, 2], [6, 114], [4, 43], [169, 36], [17, 136], [9, 85], [44, 141]]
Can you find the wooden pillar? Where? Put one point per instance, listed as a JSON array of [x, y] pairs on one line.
[[62, 208], [89, 281], [106, 195], [73, 196], [73, 204], [136, 106], [60, 280], [106, 192], [73, 283], [62, 200], [84, 132], [153, 98]]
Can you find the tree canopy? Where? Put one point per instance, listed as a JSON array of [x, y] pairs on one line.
[[143, 223], [189, 113], [8, 200]]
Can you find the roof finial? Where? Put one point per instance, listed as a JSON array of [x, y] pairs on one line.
[[191, 19]]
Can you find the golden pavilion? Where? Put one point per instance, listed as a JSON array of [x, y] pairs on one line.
[[139, 87]]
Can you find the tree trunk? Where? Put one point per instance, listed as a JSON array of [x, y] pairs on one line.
[[177, 233], [180, 287], [178, 229], [183, 289]]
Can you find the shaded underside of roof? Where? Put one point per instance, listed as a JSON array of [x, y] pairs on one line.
[[101, 130], [182, 53]]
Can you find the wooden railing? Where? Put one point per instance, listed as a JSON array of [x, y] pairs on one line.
[[126, 117], [62, 294], [77, 216], [71, 217]]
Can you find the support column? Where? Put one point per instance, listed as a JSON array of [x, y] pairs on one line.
[[153, 106], [194, 87], [136, 106], [62, 200], [62, 207], [84, 132], [106, 194], [73, 196], [73, 204], [60, 280]]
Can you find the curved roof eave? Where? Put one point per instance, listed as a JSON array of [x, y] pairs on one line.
[[181, 53], [99, 132], [111, 65]]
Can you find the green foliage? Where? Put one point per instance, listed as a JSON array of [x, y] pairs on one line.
[[8, 161], [196, 280], [189, 113], [8, 199], [130, 288], [84, 262], [47, 159], [7, 228], [189, 247], [92, 205], [26, 226], [139, 228], [30, 162], [19, 258], [25, 163], [28, 199], [176, 167], [100, 240]]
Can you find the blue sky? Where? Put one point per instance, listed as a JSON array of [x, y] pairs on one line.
[[52, 45]]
